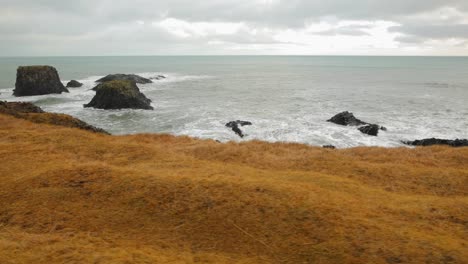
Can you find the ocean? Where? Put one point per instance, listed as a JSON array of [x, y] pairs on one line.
[[287, 98]]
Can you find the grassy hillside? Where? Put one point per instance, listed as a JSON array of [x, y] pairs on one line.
[[73, 196]]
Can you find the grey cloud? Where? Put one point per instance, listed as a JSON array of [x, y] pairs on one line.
[[81, 26], [352, 30], [445, 31]]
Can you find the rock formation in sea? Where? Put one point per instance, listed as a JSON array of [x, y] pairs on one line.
[[37, 80], [234, 125], [118, 95], [158, 77], [371, 130], [348, 119], [121, 77], [74, 84], [437, 141]]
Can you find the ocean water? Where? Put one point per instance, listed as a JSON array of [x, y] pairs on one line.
[[287, 98]]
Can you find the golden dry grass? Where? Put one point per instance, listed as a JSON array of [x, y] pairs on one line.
[[72, 196]]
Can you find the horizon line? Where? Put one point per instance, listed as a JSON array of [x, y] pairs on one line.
[[229, 55]]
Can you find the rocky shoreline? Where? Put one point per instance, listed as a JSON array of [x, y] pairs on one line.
[[120, 91]]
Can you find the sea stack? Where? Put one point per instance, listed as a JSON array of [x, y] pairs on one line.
[[37, 80], [119, 95]]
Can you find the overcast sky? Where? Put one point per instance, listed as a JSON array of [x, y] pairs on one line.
[[184, 27]]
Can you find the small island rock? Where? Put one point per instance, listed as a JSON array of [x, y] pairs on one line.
[[121, 77], [346, 119], [371, 130], [119, 95], [37, 80], [74, 84]]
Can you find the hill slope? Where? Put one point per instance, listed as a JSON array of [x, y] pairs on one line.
[[73, 196]]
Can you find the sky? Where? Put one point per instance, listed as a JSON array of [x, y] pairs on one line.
[[233, 27]]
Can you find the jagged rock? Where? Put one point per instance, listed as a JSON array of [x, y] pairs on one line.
[[234, 125], [37, 80], [436, 141], [371, 130], [118, 95], [121, 77], [346, 119], [74, 84], [35, 114]]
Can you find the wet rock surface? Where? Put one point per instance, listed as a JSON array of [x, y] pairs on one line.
[[346, 119], [371, 130], [234, 125]]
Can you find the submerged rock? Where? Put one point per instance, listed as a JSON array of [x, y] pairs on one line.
[[436, 141], [119, 95], [371, 130], [159, 77], [124, 77], [234, 125], [37, 80], [346, 119], [74, 84]]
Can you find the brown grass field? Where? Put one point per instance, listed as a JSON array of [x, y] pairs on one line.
[[73, 196]]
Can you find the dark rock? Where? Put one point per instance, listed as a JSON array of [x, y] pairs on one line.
[[436, 141], [238, 123], [234, 125], [124, 77], [346, 119], [371, 130], [329, 147], [74, 84], [159, 77], [35, 114], [37, 80], [118, 95]]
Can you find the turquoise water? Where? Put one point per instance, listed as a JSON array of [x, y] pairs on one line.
[[286, 97]]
